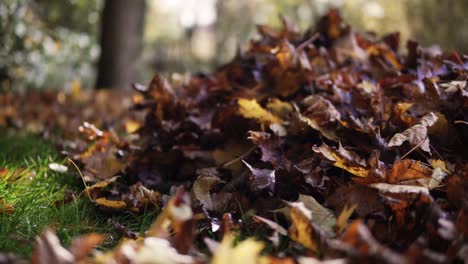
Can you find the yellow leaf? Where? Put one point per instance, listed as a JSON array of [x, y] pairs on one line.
[[345, 214], [440, 164], [246, 252], [250, 109], [302, 229], [279, 108], [110, 203], [131, 126]]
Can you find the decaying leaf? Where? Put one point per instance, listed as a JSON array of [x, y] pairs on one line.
[[261, 178], [415, 135], [202, 187]]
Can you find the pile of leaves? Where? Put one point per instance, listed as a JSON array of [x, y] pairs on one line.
[[327, 145]]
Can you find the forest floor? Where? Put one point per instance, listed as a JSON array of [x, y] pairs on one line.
[[327, 145]]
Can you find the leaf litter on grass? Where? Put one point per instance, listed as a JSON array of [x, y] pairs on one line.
[[358, 151]]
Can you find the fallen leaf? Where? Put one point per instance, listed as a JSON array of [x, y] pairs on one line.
[[343, 159], [49, 250], [82, 246], [250, 109], [158, 250], [110, 203], [246, 252], [399, 188], [261, 178], [302, 229], [415, 135], [345, 214], [407, 169]]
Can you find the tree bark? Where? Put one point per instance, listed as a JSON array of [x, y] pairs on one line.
[[121, 43]]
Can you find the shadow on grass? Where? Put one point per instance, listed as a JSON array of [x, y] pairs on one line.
[[33, 198]]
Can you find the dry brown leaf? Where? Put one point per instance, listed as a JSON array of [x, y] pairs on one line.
[[415, 135]]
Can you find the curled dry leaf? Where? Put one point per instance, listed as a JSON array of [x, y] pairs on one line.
[[320, 115], [203, 186], [261, 178], [415, 135]]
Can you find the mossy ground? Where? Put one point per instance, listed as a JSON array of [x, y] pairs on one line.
[[38, 198]]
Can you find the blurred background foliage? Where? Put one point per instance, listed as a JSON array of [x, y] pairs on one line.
[[55, 43]]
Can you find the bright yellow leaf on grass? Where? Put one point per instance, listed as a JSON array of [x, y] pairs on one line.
[[250, 109]]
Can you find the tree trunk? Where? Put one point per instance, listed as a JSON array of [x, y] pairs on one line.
[[121, 43]]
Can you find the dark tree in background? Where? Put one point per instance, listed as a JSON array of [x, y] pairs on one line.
[[121, 43]]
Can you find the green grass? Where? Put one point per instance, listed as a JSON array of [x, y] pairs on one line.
[[37, 197]]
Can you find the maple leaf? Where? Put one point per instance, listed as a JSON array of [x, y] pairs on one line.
[[415, 135]]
